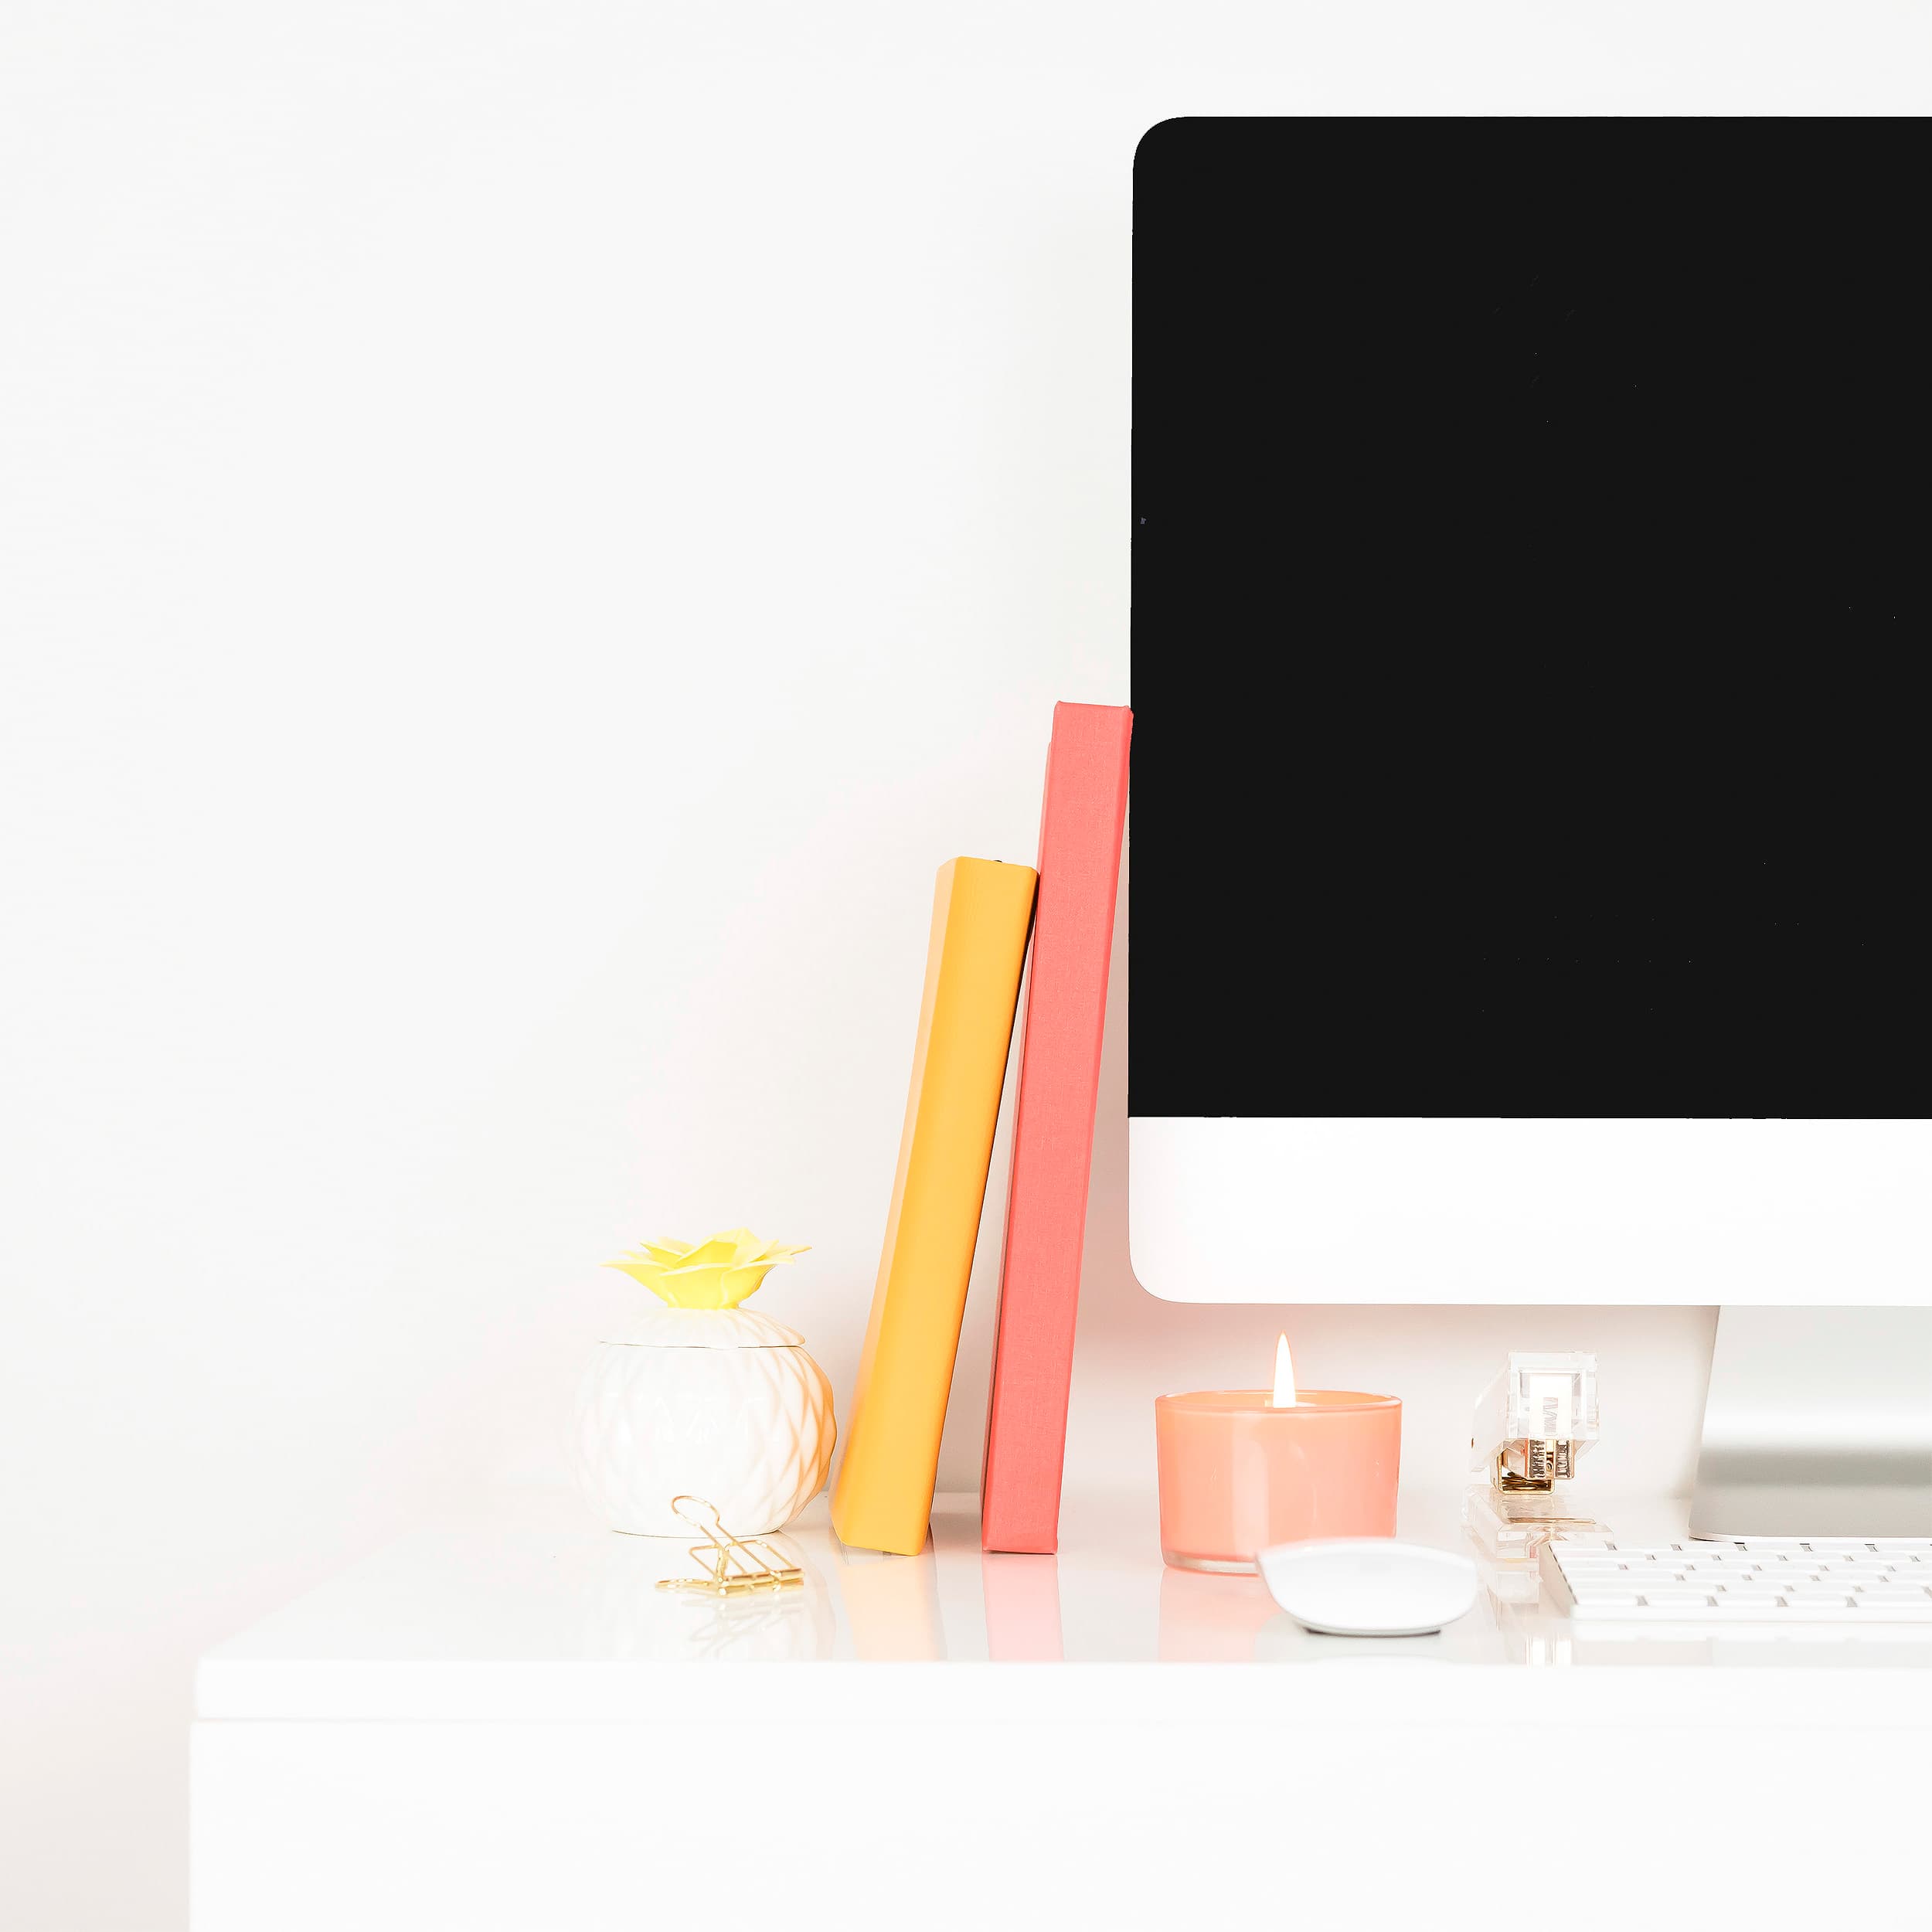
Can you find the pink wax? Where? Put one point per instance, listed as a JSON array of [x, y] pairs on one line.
[[1237, 1473]]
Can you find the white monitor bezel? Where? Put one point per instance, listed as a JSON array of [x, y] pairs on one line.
[[1669, 1212]]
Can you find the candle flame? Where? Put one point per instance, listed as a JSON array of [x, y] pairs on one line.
[[1284, 1395]]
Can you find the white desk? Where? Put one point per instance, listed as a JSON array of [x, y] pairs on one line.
[[501, 1723]]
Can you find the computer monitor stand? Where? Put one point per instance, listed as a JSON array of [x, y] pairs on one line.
[[1818, 1424]]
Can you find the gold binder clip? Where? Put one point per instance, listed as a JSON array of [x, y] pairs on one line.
[[733, 1566]]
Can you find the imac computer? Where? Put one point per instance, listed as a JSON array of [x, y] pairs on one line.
[[1532, 761]]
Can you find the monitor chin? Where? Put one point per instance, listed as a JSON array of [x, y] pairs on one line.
[[1790, 1212]]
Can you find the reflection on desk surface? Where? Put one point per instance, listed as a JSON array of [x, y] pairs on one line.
[[532, 1580]]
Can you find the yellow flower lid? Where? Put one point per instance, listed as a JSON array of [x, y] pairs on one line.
[[716, 1273], [700, 1287]]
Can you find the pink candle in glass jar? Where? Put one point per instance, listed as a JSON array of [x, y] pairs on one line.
[[1241, 1469]]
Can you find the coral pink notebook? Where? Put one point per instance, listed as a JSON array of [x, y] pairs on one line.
[[1060, 1075]]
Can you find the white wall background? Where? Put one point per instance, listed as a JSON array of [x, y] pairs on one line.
[[530, 531]]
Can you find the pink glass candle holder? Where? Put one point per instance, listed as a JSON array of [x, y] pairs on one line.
[[1240, 1472]]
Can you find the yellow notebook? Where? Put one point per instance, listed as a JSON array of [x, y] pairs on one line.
[[884, 1497]]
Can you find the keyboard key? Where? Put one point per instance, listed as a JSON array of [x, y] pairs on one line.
[[1678, 1599]]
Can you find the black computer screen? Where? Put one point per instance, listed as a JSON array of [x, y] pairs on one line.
[[1530, 615]]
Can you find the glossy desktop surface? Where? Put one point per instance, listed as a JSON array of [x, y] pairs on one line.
[[528, 1610]]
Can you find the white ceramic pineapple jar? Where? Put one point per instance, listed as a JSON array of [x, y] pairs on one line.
[[702, 1397]]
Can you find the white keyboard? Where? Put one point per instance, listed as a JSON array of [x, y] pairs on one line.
[[1758, 1580]]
